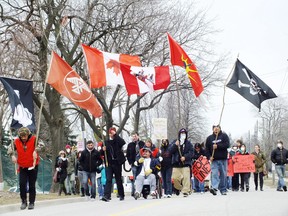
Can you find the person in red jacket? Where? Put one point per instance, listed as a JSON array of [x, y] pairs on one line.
[[27, 160]]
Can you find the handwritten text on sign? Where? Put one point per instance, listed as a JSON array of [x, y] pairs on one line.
[[243, 163], [201, 168]]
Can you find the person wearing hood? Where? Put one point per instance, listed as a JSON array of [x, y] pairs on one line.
[[61, 165], [182, 153], [244, 177], [216, 145], [90, 160], [279, 157], [166, 168]]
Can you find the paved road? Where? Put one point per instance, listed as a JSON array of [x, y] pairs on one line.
[[252, 203]]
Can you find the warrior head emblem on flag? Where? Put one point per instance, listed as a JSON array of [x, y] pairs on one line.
[[77, 88]]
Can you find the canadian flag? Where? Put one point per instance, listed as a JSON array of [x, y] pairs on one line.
[[139, 80], [69, 84], [104, 67]]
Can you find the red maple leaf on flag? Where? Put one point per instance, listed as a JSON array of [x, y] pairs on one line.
[[114, 65]]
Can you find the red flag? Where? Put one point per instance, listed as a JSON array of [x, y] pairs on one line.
[[104, 68], [69, 84], [139, 80], [179, 57]]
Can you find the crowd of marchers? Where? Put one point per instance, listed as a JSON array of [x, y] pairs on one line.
[[167, 169]]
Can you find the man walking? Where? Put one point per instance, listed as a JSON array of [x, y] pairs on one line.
[[115, 158], [217, 145], [90, 159], [279, 157], [24, 146]]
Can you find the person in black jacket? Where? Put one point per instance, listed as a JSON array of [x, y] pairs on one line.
[[182, 153], [216, 146], [114, 158], [61, 165], [133, 149], [90, 160], [198, 151], [279, 157], [166, 168]]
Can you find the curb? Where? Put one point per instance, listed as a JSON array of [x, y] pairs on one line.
[[42, 203]]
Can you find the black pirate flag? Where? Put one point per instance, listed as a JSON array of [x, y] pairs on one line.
[[249, 86]]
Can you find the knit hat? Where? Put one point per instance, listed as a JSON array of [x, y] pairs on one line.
[[112, 129], [23, 131], [67, 147]]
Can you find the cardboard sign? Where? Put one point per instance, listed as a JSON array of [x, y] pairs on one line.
[[230, 170], [243, 163], [201, 168]]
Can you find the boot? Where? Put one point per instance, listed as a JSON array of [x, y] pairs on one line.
[[60, 190], [82, 192], [23, 205]]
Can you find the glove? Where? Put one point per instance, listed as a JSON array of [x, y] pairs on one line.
[[141, 160], [160, 158], [58, 169], [148, 172]]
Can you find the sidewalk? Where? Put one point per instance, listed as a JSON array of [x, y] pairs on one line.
[[16, 207]]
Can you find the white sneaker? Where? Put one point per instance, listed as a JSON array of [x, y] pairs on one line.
[[169, 196], [92, 199], [165, 196], [153, 194], [87, 198]]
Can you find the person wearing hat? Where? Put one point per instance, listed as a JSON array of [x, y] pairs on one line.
[[217, 144], [61, 164], [115, 158], [27, 159], [147, 167], [70, 180], [182, 153]]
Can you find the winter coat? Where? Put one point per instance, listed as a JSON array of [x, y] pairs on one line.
[[260, 160], [114, 150], [90, 160], [132, 150], [222, 145], [167, 158], [155, 165], [279, 156], [71, 157]]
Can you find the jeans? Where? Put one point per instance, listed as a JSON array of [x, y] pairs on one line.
[[92, 177], [70, 183], [133, 169], [219, 174], [167, 181], [280, 170], [199, 186], [139, 182], [229, 182], [100, 187]]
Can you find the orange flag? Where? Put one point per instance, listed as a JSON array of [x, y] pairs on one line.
[[179, 57], [69, 84]]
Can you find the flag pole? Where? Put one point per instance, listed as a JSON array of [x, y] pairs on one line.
[[13, 150], [223, 105], [39, 116], [179, 111], [102, 137]]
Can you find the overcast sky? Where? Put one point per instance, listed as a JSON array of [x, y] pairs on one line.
[[257, 31]]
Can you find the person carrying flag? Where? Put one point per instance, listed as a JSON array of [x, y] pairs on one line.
[[26, 153]]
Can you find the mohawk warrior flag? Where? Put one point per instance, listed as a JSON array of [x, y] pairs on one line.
[[69, 84], [104, 67], [179, 57], [249, 86], [139, 80], [20, 93]]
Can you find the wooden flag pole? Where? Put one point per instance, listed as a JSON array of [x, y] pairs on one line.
[[179, 111], [222, 109], [103, 142]]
